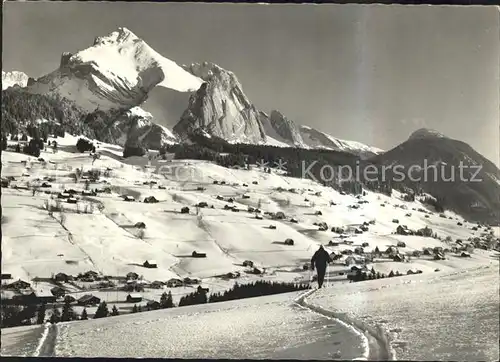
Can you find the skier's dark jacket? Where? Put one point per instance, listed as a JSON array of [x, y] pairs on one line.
[[320, 259]]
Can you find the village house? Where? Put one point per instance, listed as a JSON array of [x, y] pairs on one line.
[[172, 283], [132, 276], [62, 278], [134, 298], [150, 264], [88, 300], [18, 285], [45, 296]]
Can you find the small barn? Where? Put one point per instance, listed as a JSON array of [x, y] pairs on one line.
[[248, 263], [280, 215], [402, 230], [134, 298], [150, 200], [150, 264], [272, 227], [128, 198], [172, 283], [88, 299], [195, 254], [18, 285], [132, 276]]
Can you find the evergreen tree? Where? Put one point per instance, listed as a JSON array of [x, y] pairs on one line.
[[102, 311], [84, 315], [68, 313], [114, 311], [135, 309], [4, 142], [170, 301], [40, 315], [56, 315]]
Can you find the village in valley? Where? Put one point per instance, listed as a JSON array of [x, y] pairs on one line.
[[89, 231]]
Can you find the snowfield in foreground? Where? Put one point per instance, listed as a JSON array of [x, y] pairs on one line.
[[450, 311], [426, 317]]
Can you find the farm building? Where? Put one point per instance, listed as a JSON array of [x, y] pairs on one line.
[[45, 296], [6, 276], [132, 276], [88, 299], [62, 277], [279, 215], [172, 283], [150, 200], [150, 264], [195, 254], [18, 285], [134, 298], [248, 263]]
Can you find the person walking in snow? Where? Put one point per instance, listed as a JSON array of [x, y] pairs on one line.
[[320, 260]]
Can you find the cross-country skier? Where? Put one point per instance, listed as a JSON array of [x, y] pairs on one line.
[[319, 260]]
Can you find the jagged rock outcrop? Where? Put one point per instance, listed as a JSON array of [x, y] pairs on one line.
[[280, 128], [220, 108], [134, 128]]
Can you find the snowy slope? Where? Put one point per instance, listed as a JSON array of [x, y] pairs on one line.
[[117, 71], [10, 79], [35, 243]]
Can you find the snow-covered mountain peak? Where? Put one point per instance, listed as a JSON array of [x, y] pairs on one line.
[[10, 79], [426, 133], [116, 72], [121, 35]]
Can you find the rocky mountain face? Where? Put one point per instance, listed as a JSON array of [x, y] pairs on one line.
[[11, 79], [220, 108], [468, 182], [282, 129]]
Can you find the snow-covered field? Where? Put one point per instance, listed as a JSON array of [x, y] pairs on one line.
[[37, 244]]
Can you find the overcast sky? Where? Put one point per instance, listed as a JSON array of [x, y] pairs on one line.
[[371, 73]]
